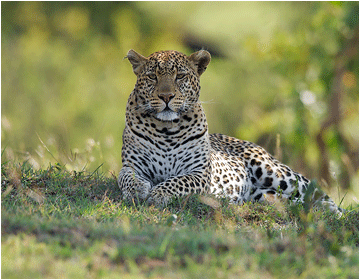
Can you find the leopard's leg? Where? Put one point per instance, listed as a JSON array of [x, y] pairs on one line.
[[304, 192], [270, 178], [133, 186], [314, 196], [196, 182]]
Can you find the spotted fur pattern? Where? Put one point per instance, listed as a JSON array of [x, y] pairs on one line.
[[168, 152]]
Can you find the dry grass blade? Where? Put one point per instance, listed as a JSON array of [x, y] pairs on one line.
[[210, 201]]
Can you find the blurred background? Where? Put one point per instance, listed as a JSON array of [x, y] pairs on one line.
[[283, 75]]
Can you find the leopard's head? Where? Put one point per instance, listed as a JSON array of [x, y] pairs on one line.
[[167, 83]]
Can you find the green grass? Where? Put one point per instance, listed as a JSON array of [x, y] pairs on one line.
[[61, 224]]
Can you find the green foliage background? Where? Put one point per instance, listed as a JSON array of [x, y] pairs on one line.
[[283, 75]]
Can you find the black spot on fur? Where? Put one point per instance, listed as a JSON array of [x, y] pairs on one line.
[[297, 195], [258, 172], [187, 118], [283, 185], [268, 182]]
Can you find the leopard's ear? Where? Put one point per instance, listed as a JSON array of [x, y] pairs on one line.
[[200, 61], [136, 60]]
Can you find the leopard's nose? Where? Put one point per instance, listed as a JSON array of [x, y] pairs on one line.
[[166, 97]]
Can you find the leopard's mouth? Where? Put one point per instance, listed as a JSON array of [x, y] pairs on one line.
[[167, 115]]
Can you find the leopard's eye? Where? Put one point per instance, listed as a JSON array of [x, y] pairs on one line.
[[180, 76], [152, 77]]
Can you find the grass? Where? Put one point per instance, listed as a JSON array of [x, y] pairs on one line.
[[61, 224]]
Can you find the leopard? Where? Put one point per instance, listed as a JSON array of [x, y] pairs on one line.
[[168, 152]]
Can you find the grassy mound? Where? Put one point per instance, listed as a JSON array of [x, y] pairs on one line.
[[60, 224]]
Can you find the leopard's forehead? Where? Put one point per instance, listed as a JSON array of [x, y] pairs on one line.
[[168, 59], [167, 56]]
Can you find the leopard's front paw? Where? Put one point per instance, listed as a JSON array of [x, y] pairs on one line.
[[142, 190], [158, 198], [133, 186], [138, 194]]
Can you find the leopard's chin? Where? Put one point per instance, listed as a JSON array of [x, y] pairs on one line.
[[167, 115]]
